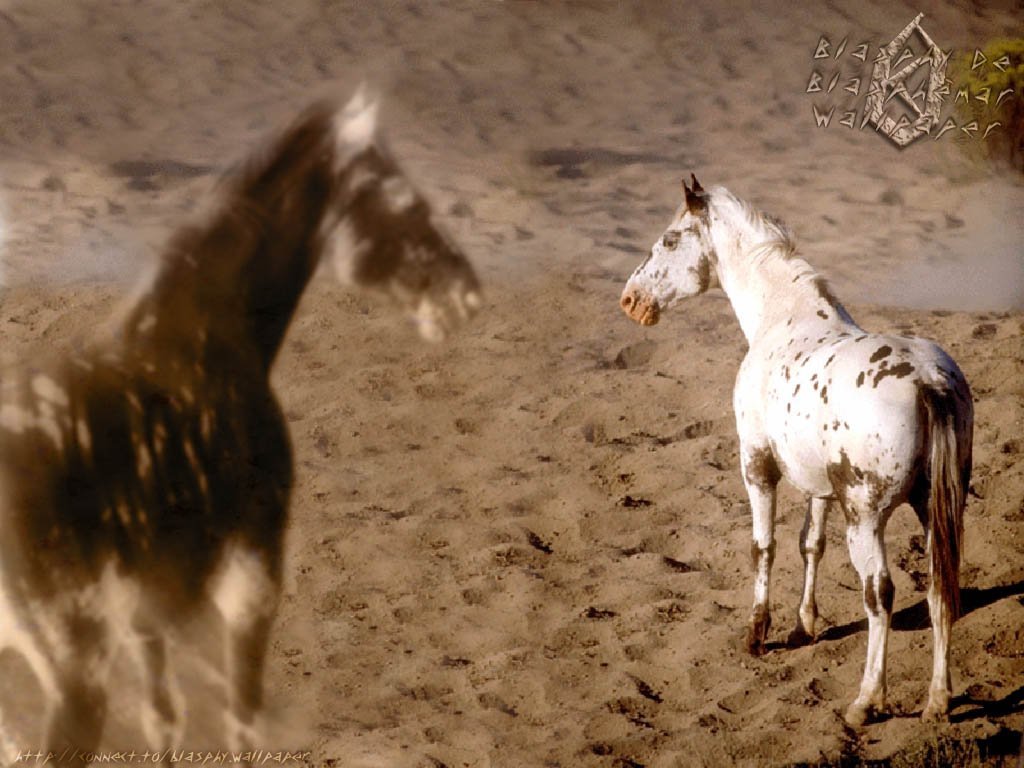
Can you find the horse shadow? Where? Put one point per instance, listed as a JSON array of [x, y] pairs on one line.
[[915, 617]]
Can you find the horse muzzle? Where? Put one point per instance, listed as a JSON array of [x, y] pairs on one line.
[[640, 306]]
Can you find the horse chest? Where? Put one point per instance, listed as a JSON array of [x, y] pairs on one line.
[[101, 464]]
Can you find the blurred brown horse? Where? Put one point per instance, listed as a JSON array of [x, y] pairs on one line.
[[151, 474]]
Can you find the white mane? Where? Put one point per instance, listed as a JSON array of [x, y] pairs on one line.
[[771, 234]]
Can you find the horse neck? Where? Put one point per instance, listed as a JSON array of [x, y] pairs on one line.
[[232, 286], [766, 285]]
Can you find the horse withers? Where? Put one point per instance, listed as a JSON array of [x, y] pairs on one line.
[[150, 473], [866, 421]]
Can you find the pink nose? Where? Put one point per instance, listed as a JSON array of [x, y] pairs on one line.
[[641, 307]]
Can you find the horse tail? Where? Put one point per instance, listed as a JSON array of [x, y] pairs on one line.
[[949, 430]]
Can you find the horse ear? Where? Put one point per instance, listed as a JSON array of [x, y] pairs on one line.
[[357, 122], [358, 101], [695, 200]]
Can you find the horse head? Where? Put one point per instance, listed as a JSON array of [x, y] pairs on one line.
[[679, 264], [385, 236]]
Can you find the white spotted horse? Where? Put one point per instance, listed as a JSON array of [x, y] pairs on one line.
[[149, 474], [863, 420]]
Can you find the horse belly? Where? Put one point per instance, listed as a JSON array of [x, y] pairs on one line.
[[802, 461]]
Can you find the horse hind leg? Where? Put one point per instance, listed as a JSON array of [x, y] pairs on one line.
[[940, 690], [941, 511], [812, 549], [865, 538]]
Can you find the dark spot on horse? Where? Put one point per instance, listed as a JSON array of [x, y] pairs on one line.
[[796, 389], [798, 356], [886, 592], [830, 359], [860, 378], [820, 340], [860, 338], [823, 290], [835, 424], [821, 313], [815, 386], [785, 372], [899, 371], [789, 322], [845, 425], [883, 351], [843, 475], [756, 553], [824, 393], [87, 631], [788, 407], [870, 598], [761, 469]]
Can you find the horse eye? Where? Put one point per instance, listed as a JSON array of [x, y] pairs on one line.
[[671, 239]]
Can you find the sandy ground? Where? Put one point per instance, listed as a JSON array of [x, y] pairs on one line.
[[529, 546]]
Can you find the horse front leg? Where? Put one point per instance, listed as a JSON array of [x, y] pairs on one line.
[[163, 713], [75, 716], [761, 476], [247, 600], [812, 549]]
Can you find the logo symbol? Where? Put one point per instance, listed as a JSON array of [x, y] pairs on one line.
[[894, 69]]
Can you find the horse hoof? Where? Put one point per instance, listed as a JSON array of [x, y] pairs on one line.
[[756, 639], [755, 646], [935, 713], [799, 637], [859, 715], [856, 716]]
